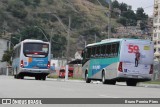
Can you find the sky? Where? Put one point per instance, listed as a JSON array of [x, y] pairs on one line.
[[147, 5]]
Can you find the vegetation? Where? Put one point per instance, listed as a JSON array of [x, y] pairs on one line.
[[153, 82], [38, 19], [6, 56], [128, 17]]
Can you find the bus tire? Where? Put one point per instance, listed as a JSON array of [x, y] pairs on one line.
[[111, 82], [43, 77], [103, 78], [86, 78], [15, 76], [36, 77], [21, 77], [131, 83]]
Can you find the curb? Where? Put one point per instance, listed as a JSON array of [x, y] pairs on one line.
[[149, 85], [119, 83]]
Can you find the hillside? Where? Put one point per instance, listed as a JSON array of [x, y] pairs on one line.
[[29, 18]]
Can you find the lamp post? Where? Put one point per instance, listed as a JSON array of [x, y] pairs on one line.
[[68, 44], [68, 38], [42, 32], [109, 20], [20, 39], [17, 39]]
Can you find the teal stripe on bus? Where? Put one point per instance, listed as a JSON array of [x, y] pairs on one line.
[[97, 64]]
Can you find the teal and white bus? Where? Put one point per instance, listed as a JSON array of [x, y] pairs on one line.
[[113, 60], [31, 58]]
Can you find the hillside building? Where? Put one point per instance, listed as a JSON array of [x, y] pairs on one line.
[[156, 28]]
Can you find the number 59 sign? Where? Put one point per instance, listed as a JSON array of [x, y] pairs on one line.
[[133, 48]]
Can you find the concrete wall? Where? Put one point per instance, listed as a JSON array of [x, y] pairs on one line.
[[77, 73], [3, 48]]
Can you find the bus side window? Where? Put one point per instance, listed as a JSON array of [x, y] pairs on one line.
[[93, 52], [98, 52], [108, 50], [88, 53], [103, 48], [115, 48]]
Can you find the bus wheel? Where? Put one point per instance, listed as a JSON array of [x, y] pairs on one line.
[[131, 83], [103, 78], [36, 77], [43, 77], [15, 76], [21, 77], [111, 82], [86, 78]]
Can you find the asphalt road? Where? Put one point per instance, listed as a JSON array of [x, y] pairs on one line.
[[52, 88]]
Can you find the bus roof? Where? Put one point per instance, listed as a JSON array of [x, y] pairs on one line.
[[30, 40], [114, 40]]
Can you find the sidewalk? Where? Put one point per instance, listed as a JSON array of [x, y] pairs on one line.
[[148, 85]]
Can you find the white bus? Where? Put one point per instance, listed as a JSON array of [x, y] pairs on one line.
[[31, 58], [114, 60]]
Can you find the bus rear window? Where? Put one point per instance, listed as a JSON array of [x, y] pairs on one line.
[[35, 49]]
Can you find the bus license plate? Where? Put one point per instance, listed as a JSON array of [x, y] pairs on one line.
[[135, 76]]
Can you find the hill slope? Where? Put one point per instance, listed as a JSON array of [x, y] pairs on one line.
[[88, 19]]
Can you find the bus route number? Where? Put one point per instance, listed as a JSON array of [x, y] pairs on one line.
[[133, 48]]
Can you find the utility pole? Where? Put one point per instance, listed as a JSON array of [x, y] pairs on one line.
[[95, 38], [68, 44], [51, 56], [51, 37], [109, 19]]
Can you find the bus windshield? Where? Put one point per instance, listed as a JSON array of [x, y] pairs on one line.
[[36, 49]]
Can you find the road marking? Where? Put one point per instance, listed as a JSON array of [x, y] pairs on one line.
[[107, 96]]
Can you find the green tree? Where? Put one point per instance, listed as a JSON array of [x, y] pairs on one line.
[[143, 25], [115, 4], [115, 7], [27, 2], [140, 14], [7, 56], [36, 2], [18, 9], [130, 16], [123, 7], [58, 45], [123, 21], [50, 1]]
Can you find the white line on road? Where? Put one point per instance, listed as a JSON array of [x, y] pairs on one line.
[[107, 96]]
